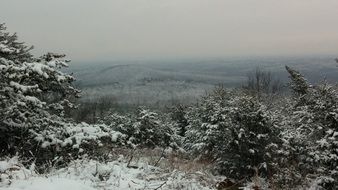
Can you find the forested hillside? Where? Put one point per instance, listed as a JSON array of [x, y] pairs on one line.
[[159, 83]]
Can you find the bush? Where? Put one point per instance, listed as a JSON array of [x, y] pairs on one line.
[[144, 129], [235, 130], [309, 135]]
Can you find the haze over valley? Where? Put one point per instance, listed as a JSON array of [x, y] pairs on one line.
[[164, 82]]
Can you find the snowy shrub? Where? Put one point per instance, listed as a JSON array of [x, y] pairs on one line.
[[78, 134], [209, 125], [235, 130], [145, 129], [150, 131], [310, 137], [70, 141], [179, 119], [318, 122], [253, 137], [120, 123]]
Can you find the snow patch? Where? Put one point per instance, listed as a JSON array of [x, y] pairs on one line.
[[54, 183]]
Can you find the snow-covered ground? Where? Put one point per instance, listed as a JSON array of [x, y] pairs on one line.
[[90, 175], [42, 183], [115, 175]]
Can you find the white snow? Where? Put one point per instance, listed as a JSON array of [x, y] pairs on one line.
[[5, 49], [54, 183], [114, 175], [33, 100], [8, 164], [23, 88], [39, 68], [78, 134], [323, 143], [4, 166], [335, 134], [84, 132]]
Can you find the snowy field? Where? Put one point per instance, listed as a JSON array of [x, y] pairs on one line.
[[90, 175], [115, 175]]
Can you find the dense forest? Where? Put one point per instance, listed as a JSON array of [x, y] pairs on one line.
[[261, 135]]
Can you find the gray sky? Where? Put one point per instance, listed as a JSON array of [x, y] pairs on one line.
[[108, 29]]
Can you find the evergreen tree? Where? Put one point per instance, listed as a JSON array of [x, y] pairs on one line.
[[33, 92], [313, 133], [209, 124], [11, 49], [253, 138], [298, 83], [234, 130], [179, 117], [150, 131]]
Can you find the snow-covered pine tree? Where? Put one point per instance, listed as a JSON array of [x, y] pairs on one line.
[[253, 137], [121, 123], [150, 131], [318, 125], [179, 118], [234, 130], [11, 49], [298, 84], [209, 124], [324, 153], [33, 93], [312, 138]]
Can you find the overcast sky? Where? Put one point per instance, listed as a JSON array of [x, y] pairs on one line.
[[109, 29]]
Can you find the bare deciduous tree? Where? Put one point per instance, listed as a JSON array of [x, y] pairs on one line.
[[260, 81]]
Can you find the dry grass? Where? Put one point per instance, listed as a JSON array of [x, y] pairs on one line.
[[164, 159]]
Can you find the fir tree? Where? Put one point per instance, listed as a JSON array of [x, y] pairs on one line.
[[150, 131], [298, 84], [33, 92], [11, 49]]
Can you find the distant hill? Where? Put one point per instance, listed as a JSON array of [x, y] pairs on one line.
[[163, 82]]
